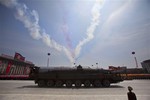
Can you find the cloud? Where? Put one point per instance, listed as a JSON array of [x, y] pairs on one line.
[[115, 19], [9, 3]]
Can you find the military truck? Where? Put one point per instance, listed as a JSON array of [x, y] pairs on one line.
[[58, 77]]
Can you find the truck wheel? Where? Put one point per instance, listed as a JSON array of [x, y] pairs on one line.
[[78, 83], [50, 83], [41, 83], [87, 83], [59, 83], [106, 83], [68, 83], [97, 83]]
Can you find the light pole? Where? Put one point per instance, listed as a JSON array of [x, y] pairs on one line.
[[97, 65], [135, 59], [48, 59], [74, 64]]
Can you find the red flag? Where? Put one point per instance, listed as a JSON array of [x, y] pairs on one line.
[[18, 56], [8, 67]]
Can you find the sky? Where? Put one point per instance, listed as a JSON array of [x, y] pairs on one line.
[[82, 32]]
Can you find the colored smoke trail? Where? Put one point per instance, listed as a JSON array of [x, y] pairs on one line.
[[66, 33], [30, 19], [65, 29], [90, 31]]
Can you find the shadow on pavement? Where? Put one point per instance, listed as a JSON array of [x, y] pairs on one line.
[[73, 87]]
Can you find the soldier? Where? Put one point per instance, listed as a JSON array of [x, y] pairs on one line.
[[131, 95]]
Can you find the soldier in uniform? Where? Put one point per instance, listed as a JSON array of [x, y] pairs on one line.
[[131, 95]]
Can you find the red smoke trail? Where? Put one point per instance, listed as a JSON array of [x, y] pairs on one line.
[[65, 29], [66, 33]]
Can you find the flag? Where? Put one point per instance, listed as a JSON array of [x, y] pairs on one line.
[[19, 57], [8, 67]]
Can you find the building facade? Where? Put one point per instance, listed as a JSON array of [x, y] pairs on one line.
[[146, 65], [12, 68]]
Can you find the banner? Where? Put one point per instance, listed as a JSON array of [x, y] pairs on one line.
[[19, 57]]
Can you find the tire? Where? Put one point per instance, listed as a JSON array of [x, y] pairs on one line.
[[106, 83], [50, 83], [97, 83], [78, 83], [59, 83], [41, 83], [68, 83], [87, 83]]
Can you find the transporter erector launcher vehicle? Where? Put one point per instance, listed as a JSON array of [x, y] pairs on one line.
[[77, 77]]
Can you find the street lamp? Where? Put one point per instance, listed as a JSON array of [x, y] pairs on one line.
[[48, 59], [97, 65], [135, 59], [74, 64]]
